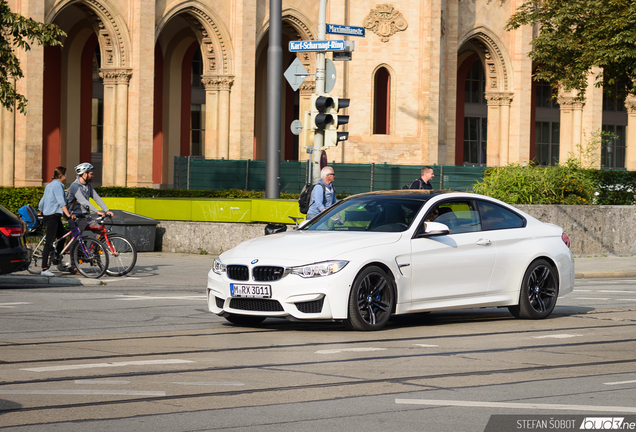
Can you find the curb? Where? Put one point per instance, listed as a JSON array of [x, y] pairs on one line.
[[605, 274], [44, 280]]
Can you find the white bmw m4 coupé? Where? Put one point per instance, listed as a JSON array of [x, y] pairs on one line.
[[379, 254]]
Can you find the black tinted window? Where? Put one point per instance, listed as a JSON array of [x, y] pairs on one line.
[[494, 217], [459, 216]]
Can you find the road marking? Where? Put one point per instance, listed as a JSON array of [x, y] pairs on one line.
[[617, 291], [592, 298], [549, 407], [336, 351], [211, 383], [620, 382], [557, 336], [12, 305], [98, 381], [131, 297], [106, 365], [82, 392], [426, 345]]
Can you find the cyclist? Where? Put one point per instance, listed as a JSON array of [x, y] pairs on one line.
[[81, 190], [52, 206]]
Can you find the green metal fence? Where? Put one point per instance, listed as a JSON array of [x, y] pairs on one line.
[[209, 174]]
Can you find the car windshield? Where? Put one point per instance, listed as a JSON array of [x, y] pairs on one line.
[[374, 213]]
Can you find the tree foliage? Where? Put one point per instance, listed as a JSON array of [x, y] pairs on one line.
[[18, 32], [576, 35]]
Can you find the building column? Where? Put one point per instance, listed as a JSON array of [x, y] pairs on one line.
[[115, 145], [217, 115], [571, 125], [630, 145], [7, 146], [498, 140]]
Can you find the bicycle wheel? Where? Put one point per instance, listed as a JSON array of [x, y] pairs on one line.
[[123, 257], [35, 242], [92, 259]]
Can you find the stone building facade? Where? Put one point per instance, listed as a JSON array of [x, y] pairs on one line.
[[138, 82]]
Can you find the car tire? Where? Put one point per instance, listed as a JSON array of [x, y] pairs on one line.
[[245, 320], [539, 292], [371, 300]]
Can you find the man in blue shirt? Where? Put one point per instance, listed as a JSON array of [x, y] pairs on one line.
[[323, 195]]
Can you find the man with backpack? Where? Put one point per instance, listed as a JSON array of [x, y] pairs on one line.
[[323, 194], [423, 182]]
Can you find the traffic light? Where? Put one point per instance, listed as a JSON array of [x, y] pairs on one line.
[[320, 104], [332, 136]]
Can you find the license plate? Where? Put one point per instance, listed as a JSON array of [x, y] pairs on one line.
[[253, 291]]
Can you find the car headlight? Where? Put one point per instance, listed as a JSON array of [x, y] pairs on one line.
[[319, 269], [218, 267]]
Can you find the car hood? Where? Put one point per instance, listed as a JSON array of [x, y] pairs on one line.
[[304, 247]]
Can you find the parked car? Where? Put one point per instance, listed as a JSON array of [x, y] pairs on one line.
[[394, 252], [14, 255]]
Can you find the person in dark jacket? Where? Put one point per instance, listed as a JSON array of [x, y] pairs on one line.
[[423, 182]]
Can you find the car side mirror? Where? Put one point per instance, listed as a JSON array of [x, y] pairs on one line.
[[432, 229]]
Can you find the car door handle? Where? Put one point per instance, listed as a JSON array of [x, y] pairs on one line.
[[483, 242]]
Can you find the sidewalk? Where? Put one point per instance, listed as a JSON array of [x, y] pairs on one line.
[[180, 269]]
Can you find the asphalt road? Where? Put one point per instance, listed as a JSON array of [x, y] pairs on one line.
[[149, 357]]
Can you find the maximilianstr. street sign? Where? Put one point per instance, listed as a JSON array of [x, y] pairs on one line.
[[345, 30]]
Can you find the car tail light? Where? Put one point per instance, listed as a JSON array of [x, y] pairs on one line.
[[11, 231], [565, 239]]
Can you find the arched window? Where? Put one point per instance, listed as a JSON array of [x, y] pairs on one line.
[[381, 101]]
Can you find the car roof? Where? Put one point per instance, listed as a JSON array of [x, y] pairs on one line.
[[424, 194]]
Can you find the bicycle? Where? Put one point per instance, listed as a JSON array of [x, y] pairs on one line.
[[123, 252], [87, 254]]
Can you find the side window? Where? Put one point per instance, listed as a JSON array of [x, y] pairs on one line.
[[495, 217], [460, 216]]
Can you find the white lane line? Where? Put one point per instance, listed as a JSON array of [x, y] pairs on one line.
[[210, 383], [593, 298], [337, 351], [617, 291], [98, 381], [426, 345], [13, 305], [82, 392], [106, 365], [197, 298], [510, 405], [556, 336], [620, 382]]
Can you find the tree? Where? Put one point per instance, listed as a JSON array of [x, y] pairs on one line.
[[17, 31], [575, 35]]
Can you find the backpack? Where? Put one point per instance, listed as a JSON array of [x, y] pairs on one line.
[[304, 200], [408, 185], [29, 215]]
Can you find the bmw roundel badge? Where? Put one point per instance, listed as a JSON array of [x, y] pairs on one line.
[[254, 261]]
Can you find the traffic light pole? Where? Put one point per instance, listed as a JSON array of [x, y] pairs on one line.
[[319, 134]]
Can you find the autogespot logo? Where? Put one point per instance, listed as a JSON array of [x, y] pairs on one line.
[[606, 423]]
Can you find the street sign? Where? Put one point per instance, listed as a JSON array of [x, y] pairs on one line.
[[320, 46], [345, 30], [330, 75], [296, 74], [323, 159], [296, 127], [342, 56]]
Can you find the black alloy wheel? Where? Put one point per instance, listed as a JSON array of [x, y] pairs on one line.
[[371, 300], [539, 292]]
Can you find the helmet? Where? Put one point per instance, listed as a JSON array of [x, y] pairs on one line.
[[83, 168]]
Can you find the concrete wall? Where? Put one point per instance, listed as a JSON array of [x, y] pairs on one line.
[[593, 230]]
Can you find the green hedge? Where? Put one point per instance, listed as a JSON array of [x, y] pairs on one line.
[[614, 187]]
